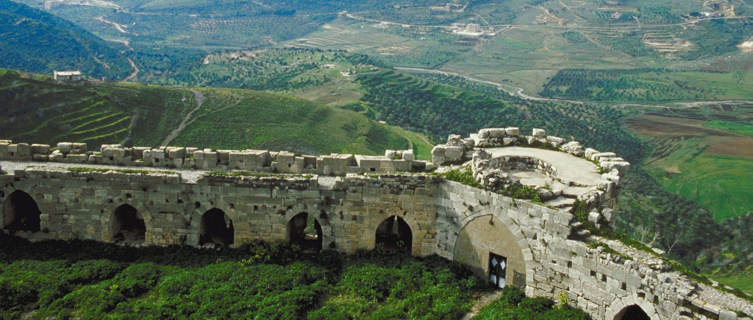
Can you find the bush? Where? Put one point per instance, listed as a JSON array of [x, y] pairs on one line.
[[260, 280], [512, 304]]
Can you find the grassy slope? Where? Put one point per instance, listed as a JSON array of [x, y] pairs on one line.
[[41, 111], [235, 118]]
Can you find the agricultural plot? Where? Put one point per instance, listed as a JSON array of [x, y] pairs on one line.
[[710, 162]]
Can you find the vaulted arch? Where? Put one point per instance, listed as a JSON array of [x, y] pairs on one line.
[[632, 312], [304, 230], [127, 225], [631, 307], [394, 234], [216, 227], [21, 213]]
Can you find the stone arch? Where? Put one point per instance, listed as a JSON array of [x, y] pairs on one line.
[[305, 230], [127, 225], [322, 218], [394, 234], [217, 228], [632, 312], [484, 237], [627, 307], [21, 213]]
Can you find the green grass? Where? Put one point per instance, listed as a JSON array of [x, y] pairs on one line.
[[722, 184], [742, 281], [238, 119], [732, 127]]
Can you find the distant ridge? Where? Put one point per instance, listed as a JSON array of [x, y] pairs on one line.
[[35, 41]]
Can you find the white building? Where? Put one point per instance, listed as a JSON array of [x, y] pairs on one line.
[[72, 75]]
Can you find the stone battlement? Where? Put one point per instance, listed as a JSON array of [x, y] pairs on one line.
[[262, 161]]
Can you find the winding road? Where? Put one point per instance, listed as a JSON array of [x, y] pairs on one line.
[[519, 92], [134, 74], [199, 101], [510, 89]]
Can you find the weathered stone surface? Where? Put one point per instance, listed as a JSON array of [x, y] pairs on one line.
[[40, 149], [538, 133]]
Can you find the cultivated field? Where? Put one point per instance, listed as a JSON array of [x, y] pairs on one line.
[[708, 161]]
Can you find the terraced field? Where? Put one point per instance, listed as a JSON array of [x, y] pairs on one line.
[[39, 110], [42, 111]]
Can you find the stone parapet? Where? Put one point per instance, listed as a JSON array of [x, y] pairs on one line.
[[262, 161]]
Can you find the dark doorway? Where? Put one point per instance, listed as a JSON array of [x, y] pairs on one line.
[[21, 213], [217, 228], [128, 226], [304, 230], [497, 270], [394, 234], [633, 312]]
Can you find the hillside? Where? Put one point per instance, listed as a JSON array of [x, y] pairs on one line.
[[39, 110], [36, 41]]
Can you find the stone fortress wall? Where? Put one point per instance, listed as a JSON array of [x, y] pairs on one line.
[[191, 205]]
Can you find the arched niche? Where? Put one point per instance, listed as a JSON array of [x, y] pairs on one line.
[[632, 312], [395, 235], [488, 247], [304, 230], [217, 228], [21, 213], [128, 225]]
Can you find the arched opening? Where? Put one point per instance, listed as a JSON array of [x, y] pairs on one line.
[[486, 245], [128, 226], [304, 230], [394, 234], [632, 312], [21, 213], [217, 228]]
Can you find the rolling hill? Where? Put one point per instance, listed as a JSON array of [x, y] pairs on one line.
[[36, 41], [37, 109]]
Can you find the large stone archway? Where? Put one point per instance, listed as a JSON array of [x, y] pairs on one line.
[[304, 230], [21, 213], [127, 225], [394, 234], [632, 312], [217, 228], [629, 308], [482, 244]]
